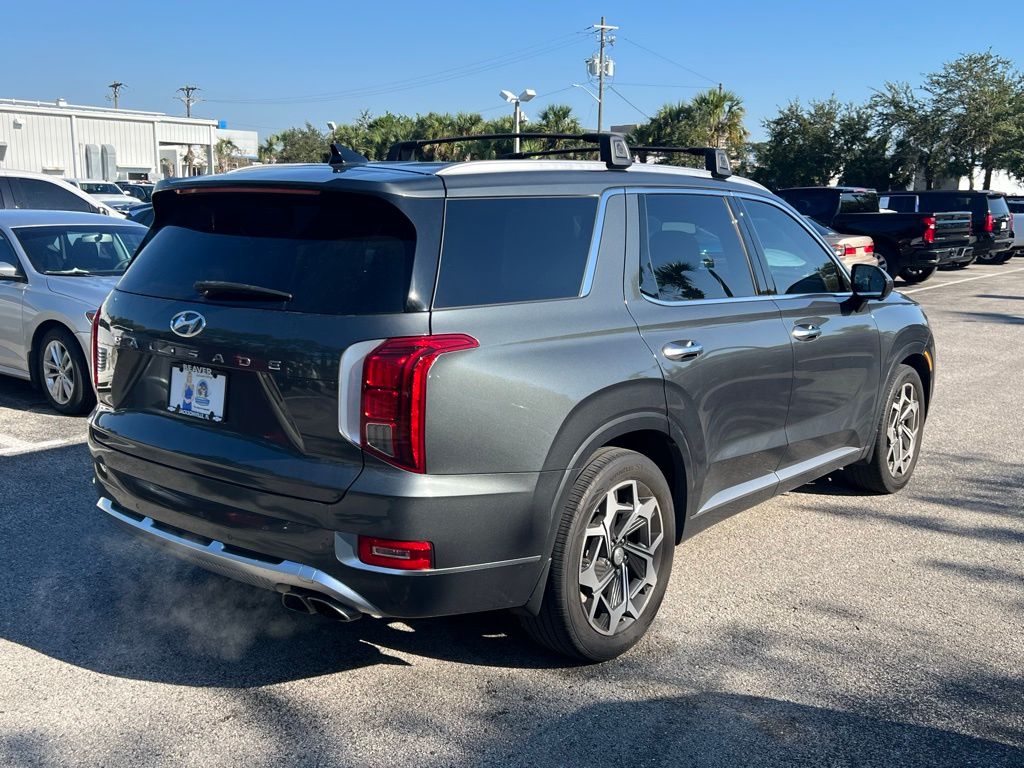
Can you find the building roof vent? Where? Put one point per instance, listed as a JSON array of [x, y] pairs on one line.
[[62, 102]]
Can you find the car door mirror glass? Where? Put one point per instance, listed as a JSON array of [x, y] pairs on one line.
[[870, 281]]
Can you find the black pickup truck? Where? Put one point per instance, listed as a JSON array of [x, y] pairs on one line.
[[908, 245]]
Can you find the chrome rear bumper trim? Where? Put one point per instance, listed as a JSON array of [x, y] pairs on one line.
[[258, 573]]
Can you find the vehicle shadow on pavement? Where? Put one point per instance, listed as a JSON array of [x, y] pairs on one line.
[[720, 729], [79, 588]]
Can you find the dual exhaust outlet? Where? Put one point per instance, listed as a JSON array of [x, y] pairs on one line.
[[314, 602]]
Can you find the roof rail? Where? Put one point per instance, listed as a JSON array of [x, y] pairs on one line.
[[716, 160], [341, 156], [612, 146]]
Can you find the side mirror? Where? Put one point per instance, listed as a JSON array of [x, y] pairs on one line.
[[870, 282], [9, 272]]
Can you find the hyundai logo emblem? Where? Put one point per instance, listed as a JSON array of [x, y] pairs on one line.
[[188, 324]]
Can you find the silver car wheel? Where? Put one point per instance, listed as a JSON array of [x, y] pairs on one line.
[[58, 372], [620, 558], [903, 426]]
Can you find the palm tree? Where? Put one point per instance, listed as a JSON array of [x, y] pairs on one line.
[[267, 151], [227, 153], [719, 115]]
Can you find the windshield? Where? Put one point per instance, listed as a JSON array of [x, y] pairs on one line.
[[85, 250], [100, 188]]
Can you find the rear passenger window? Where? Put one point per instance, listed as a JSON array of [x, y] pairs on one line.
[[503, 250], [690, 249], [796, 261], [44, 195]]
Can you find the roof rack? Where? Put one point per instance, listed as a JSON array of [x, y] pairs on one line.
[[612, 146], [716, 160]]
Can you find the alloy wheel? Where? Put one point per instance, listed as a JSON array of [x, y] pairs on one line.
[[903, 426], [620, 558], [59, 372]]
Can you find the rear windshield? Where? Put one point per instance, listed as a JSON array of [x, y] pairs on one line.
[[951, 201], [335, 253], [505, 250], [816, 203], [997, 205], [858, 202]]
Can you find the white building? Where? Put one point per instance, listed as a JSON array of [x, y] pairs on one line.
[[103, 143]]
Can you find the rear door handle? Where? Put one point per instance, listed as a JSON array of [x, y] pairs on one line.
[[682, 350], [806, 332]]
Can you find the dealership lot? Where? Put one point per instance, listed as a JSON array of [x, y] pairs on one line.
[[820, 628]]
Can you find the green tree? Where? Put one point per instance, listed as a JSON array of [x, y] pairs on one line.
[[979, 99], [804, 145], [228, 155], [719, 117], [302, 145]]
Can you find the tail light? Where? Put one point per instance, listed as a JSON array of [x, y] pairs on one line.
[[869, 248], [394, 396], [929, 229], [388, 553], [989, 222], [102, 346]]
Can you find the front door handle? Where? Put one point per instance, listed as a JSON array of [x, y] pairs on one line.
[[682, 350], [806, 332]]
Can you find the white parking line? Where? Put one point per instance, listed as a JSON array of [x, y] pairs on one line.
[[1000, 273], [16, 447]]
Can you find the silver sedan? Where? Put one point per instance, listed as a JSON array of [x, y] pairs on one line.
[[56, 268]]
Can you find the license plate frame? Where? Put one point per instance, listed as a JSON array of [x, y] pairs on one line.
[[197, 392]]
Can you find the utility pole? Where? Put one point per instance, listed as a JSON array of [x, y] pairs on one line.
[[188, 97], [602, 30], [115, 92]]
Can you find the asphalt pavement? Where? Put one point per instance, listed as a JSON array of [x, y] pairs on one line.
[[821, 628]]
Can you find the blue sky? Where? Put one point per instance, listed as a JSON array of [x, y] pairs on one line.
[[270, 65]]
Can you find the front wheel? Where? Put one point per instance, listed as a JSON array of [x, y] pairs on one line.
[[63, 373], [611, 561], [917, 274], [898, 440]]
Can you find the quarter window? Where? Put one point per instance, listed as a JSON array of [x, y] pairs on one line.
[[691, 249], [503, 250], [796, 261]]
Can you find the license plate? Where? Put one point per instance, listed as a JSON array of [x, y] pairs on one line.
[[197, 391]]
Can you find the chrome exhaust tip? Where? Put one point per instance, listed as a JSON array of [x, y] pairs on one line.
[[297, 603], [332, 609]]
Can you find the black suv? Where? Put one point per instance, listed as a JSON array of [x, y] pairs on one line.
[[990, 216], [418, 388]]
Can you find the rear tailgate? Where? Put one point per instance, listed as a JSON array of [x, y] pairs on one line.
[[249, 395], [952, 229]]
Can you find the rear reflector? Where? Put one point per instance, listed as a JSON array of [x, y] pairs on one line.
[[389, 553]]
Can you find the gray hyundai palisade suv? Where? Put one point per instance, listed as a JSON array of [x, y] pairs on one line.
[[411, 389]]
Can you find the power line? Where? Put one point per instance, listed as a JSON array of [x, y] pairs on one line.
[[655, 85], [634, 106], [671, 61], [484, 65]]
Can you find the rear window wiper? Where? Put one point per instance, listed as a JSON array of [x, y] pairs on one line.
[[226, 290]]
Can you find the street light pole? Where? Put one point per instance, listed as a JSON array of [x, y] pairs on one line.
[[517, 113]]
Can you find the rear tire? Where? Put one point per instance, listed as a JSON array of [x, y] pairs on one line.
[[898, 441], [611, 561], [917, 275], [888, 262], [63, 373]]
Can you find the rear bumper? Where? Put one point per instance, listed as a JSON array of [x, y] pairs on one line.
[[951, 256], [488, 532]]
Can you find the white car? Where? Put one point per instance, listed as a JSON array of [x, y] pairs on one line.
[[23, 189], [1016, 205], [55, 270], [107, 192]]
